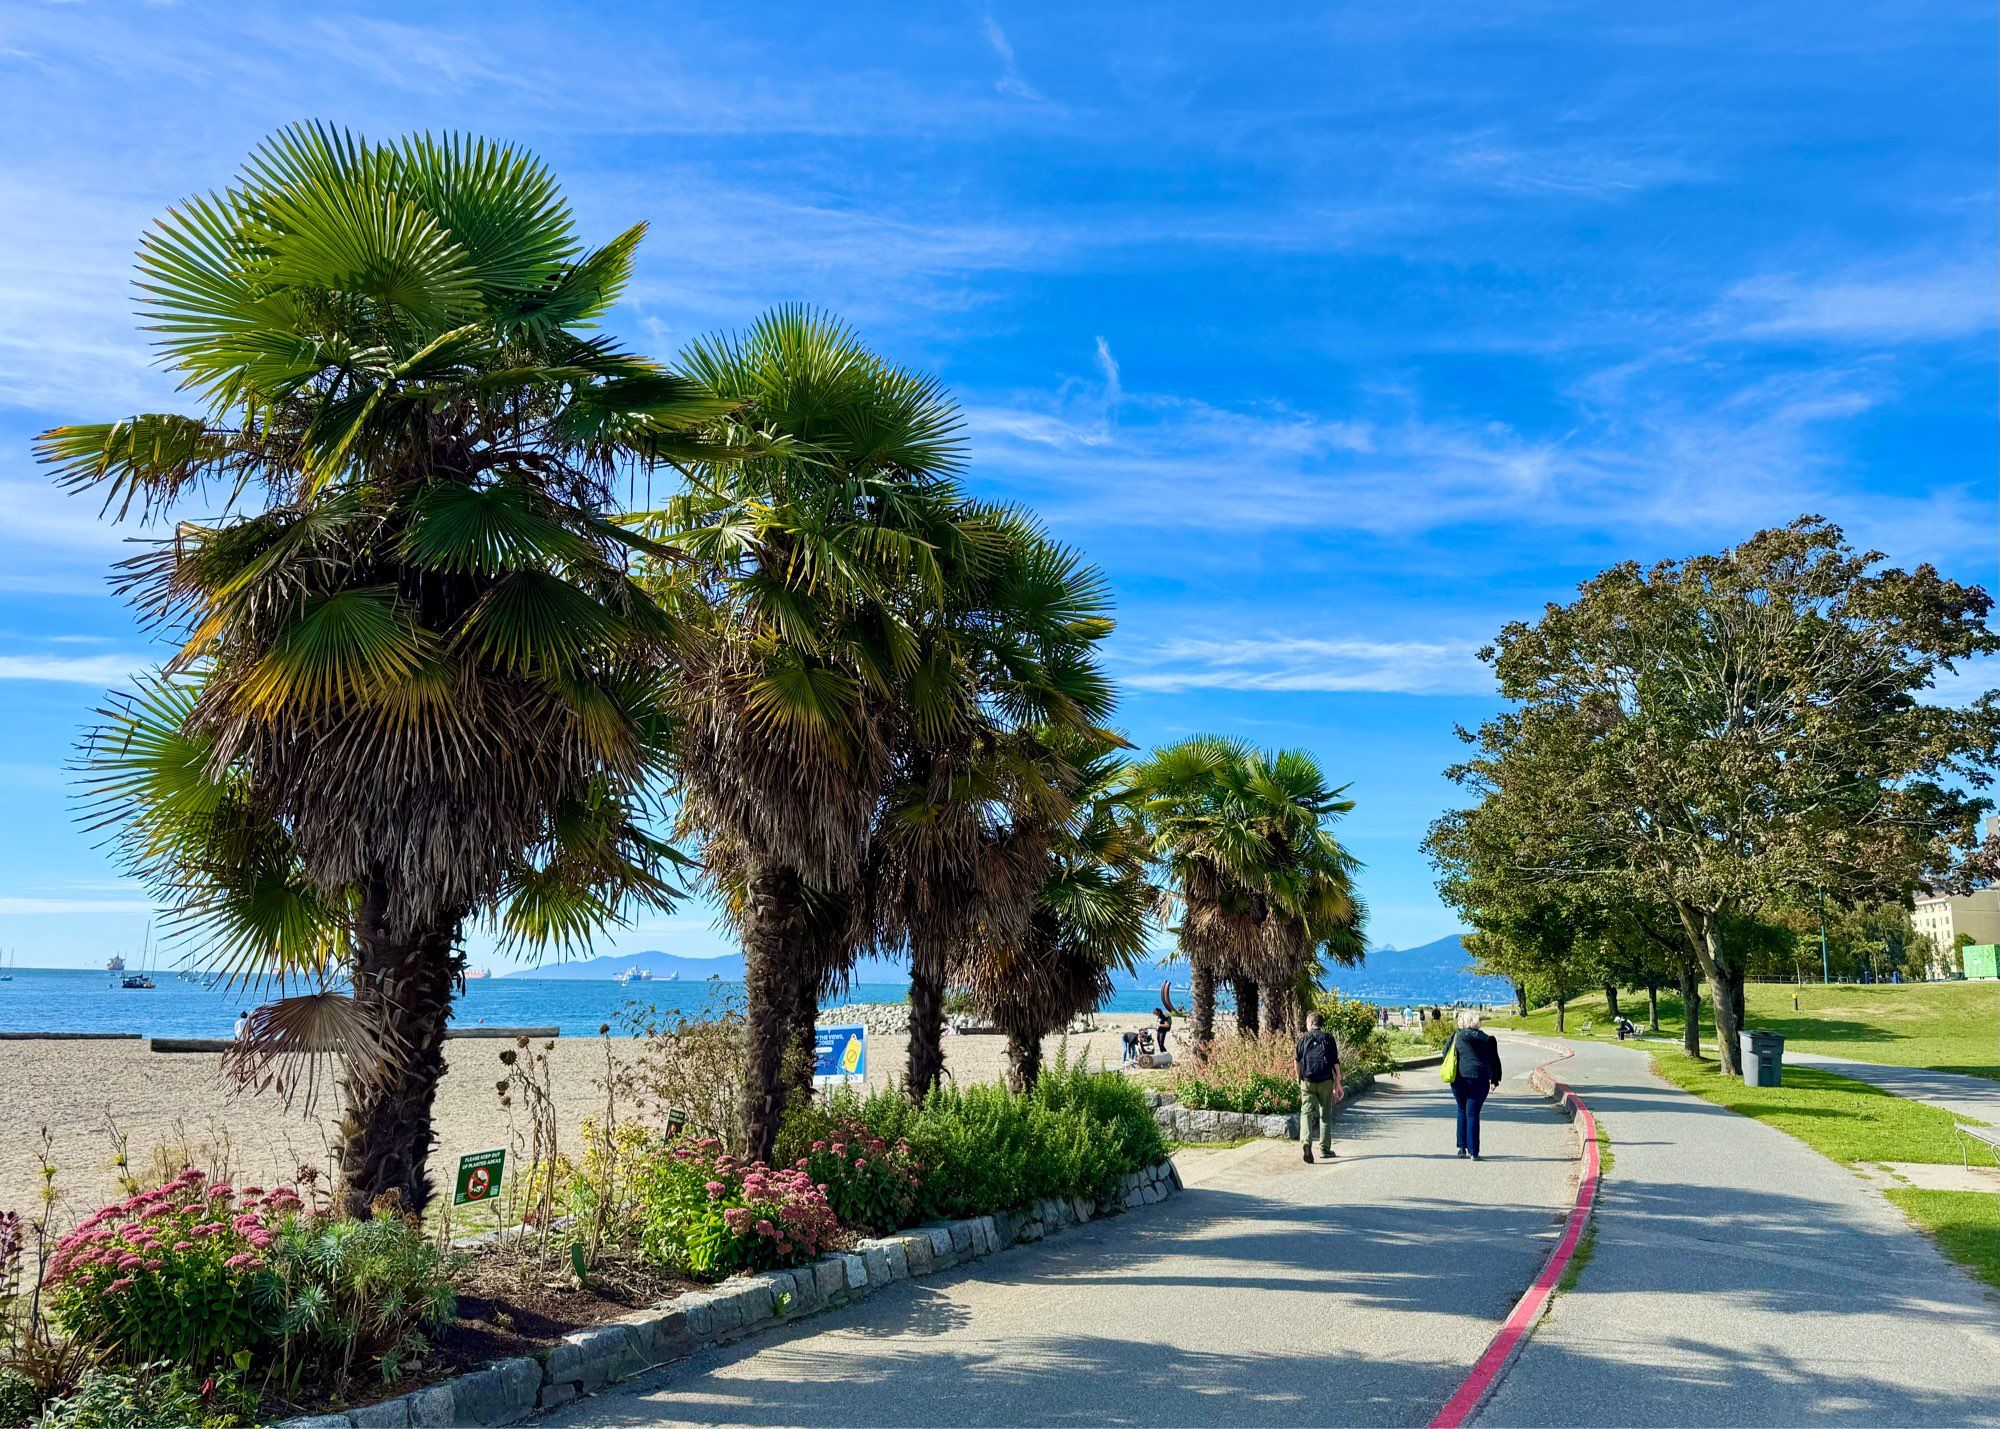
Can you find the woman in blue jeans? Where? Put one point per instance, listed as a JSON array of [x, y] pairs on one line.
[[1477, 1073]]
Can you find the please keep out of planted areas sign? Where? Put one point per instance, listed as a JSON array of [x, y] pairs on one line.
[[479, 1177]]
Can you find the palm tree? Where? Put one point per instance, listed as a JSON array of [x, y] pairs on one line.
[[1008, 669], [417, 685], [1089, 919], [1264, 886], [812, 567]]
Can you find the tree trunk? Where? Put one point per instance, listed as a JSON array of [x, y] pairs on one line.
[[1201, 1029], [1653, 1007], [773, 928], [1271, 1001], [1245, 991], [404, 986], [1562, 1012], [1725, 986], [804, 1036], [1520, 997], [1691, 1010], [928, 966], [1611, 1001], [1024, 1062]]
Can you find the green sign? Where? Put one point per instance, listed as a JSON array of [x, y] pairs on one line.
[[479, 1177]]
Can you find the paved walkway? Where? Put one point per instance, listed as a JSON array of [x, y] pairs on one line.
[[1270, 1293], [1955, 1092], [1741, 1278]]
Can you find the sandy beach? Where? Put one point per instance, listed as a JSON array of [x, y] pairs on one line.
[[178, 1104]]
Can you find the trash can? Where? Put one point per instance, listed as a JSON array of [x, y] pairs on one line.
[[1763, 1055]]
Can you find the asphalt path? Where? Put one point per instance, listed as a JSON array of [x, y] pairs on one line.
[[1738, 1277], [1973, 1097], [1270, 1292]]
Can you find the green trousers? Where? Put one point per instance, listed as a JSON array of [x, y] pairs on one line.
[[1316, 1103]]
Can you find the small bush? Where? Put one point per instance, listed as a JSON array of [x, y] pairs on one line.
[[871, 1183], [152, 1396], [1364, 1046], [708, 1214], [178, 1273], [983, 1148], [361, 1292], [1247, 1074], [1438, 1032]]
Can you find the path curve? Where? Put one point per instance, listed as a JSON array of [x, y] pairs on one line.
[[1741, 1278], [1955, 1092]]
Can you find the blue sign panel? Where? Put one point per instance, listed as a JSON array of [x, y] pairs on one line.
[[840, 1054]]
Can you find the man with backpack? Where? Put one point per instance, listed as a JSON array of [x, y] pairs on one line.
[[1319, 1085]]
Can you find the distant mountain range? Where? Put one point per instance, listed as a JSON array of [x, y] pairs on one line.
[[1437, 970]]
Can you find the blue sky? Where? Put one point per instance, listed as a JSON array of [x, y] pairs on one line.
[[1336, 337]]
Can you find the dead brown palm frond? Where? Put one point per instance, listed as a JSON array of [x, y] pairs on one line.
[[294, 1042]]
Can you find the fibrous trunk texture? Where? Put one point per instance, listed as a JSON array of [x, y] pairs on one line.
[[928, 965], [1244, 990], [774, 915], [403, 985], [1201, 981]]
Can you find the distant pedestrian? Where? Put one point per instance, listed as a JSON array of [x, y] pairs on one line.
[[1163, 1022], [1475, 1072], [243, 1026], [1319, 1085]]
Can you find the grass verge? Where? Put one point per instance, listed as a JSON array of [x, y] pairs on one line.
[[1944, 1026], [1965, 1224]]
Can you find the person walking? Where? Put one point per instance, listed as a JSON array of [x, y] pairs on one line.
[[1318, 1056], [1475, 1059]]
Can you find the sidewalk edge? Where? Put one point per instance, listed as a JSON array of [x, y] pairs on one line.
[[1506, 1344]]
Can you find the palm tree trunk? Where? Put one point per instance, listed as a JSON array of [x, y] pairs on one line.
[[1201, 1030], [1271, 999], [772, 928], [927, 974], [804, 1030], [1244, 989], [1024, 1061], [404, 986]]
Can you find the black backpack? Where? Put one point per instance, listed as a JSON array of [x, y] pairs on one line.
[[1317, 1054]]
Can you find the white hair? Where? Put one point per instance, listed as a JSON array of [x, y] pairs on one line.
[[1469, 1017]]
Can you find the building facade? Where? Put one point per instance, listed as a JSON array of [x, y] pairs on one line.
[[1941, 919]]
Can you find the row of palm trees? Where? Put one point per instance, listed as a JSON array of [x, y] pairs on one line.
[[433, 670]]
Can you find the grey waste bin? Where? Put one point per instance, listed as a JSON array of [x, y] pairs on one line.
[[1763, 1056]]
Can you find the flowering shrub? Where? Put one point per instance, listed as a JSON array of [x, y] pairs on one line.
[[1364, 1046], [871, 1183], [361, 1292], [1252, 1074], [710, 1214], [178, 1273]]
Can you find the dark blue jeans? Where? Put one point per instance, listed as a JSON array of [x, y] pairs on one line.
[[1471, 1094]]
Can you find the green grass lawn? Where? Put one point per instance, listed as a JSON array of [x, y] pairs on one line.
[[1965, 1224], [1945, 1026], [1855, 1123]]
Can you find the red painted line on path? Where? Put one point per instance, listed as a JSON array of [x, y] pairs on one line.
[[1513, 1332]]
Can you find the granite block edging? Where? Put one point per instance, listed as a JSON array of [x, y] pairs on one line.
[[592, 1359]]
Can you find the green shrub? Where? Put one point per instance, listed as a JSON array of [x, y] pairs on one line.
[[1438, 1033], [19, 1402], [1364, 1046], [151, 1396], [983, 1148], [871, 1183], [709, 1214], [1249, 1074], [361, 1292], [177, 1274]]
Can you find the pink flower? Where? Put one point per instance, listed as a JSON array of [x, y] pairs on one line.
[[183, 1245], [128, 1261], [123, 1282], [715, 1188], [766, 1228], [156, 1264]]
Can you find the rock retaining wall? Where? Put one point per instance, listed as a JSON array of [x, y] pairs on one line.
[[1179, 1123], [590, 1360]]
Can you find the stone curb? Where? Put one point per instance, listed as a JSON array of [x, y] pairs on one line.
[[590, 1360], [1179, 1123]]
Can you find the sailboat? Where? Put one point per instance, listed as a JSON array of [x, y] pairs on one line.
[[7, 967], [140, 981]]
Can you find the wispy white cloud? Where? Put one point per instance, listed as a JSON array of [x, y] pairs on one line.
[[102, 671], [1010, 81], [1273, 661], [1907, 302], [64, 907]]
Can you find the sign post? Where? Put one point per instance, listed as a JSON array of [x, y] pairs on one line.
[[840, 1056], [479, 1177]]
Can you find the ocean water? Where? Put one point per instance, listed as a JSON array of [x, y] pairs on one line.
[[67, 1000]]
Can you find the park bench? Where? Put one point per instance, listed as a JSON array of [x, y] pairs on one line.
[[1988, 1136]]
